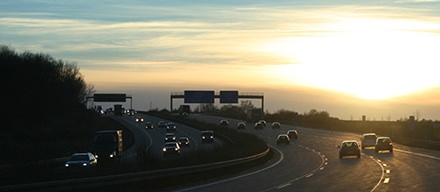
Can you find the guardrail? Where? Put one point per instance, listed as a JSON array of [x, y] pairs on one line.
[[112, 180]]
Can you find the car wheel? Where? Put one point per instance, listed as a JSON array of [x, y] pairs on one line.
[[340, 156], [391, 150], [377, 151]]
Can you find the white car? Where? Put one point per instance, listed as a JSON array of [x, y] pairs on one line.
[[368, 140]]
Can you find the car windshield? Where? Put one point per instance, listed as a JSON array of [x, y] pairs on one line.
[[349, 144], [370, 137], [79, 158]]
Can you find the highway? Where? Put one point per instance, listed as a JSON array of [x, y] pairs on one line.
[[312, 164]]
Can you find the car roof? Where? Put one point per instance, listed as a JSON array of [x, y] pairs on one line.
[[283, 135], [383, 138], [369, 134], [349, 141]]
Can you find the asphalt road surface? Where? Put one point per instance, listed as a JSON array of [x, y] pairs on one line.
[[312, 164]]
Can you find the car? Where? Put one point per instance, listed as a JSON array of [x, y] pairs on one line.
[[171, 148], [283, 138], [368, 140], [139, 119], [383, 143], [149, 125], [293, 134], [162, 124], [241, 125], [224, 123], [258, 125], [207, 136], [263, 122], [349, 148], [276, 125], [183, 141], [170, 137], [81, 160], [171, 127]]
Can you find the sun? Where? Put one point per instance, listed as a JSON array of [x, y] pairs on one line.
[[367, 58]]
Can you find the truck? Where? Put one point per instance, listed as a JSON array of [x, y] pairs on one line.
[[108, 145]]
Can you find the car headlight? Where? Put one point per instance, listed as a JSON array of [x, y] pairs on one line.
[[112, 155], [66, 165], [84, 164], [164, 149]]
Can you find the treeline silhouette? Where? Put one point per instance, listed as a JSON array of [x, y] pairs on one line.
[[43, 100]]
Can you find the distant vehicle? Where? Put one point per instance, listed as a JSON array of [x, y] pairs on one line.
[[139, 120], [149, 125], [170, 137], [293, 134], [118, 110], [162, 124], [258, 125], [81, 160], [349, 148], [131, 112], [171, 127], [224, 123], [184, 110], [276, 125], [241, 125], [283, 138], [183, 141], [207, 136], [108, 145], [171, 148], [368, 140], [383, 143], [263, 122]]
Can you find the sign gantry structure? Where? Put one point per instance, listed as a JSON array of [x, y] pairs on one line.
[[111, 97], [209, 96]]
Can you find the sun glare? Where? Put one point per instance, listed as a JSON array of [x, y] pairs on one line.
[[370, 59]]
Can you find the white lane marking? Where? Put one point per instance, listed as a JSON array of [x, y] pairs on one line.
[[388, 171], [322, 168], [282, 186], [237, 177], [419, 154], [384, 165], [386, 180], [309, 175], [382, 176]]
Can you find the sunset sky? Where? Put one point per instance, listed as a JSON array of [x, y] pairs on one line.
[[349, 58]]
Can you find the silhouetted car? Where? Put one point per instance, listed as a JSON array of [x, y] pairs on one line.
[[283, 138], [170, 137], [183, 141], [207, 136], [276, 125], [171, 148], [263, 122], [149, 125], [383, 143], [349, 148], [224, 123], [81, 160], [171, 127], [258, 125], [241, 125], [368, 140], [293, 134], [162, 124], [139, 120]]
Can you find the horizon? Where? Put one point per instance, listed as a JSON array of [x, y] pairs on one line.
[[350, 59]]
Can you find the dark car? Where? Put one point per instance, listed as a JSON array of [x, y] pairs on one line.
[[149, 125], [241, 125], [183, 141], [383, 143], [258, 125], [276, 125], [162, 124], [171, 148], [283, 138], [170, 137], [224, 123], [81, 160], [207, 136], [263, 122], [171, 127], [139, 120], [293, 134], [349, 148]]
